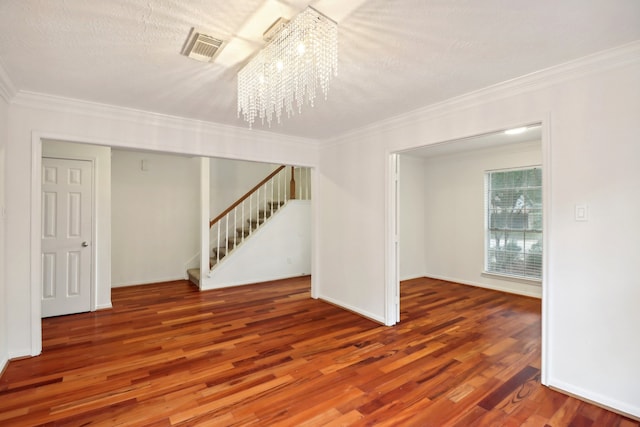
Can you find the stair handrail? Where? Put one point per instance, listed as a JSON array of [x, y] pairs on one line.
[[254, 208], [246, 207], [246, 196]]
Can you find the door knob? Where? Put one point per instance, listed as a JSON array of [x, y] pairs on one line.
[[85, 244]]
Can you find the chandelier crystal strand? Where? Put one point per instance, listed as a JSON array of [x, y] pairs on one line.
[[286, 73]]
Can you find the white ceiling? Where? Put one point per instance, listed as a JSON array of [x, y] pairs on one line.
[[394, 55], [478, 142]]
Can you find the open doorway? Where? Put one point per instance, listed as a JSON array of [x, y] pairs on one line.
[[442, 213], [140, 164]]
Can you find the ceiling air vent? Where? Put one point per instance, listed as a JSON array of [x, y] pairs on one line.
[[202, 47]]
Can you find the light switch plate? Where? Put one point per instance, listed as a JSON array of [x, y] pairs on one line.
[[582, 213]]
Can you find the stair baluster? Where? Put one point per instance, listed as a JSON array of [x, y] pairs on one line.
[[255, 207], [264, 206], [250, 228], [242, 222], [218, 245], [226, 235]]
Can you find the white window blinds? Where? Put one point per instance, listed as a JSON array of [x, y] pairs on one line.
[[513, 200]]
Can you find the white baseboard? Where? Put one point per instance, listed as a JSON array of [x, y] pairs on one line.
[[103, 306], [4, 361], [353, 309], [507, 289], [623, 408], [205, 286], [411, 277], [25, 352], [148, 282]]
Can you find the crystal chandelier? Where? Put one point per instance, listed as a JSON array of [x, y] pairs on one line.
[[303, 54]]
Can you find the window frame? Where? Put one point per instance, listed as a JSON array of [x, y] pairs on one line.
[[486, 271]]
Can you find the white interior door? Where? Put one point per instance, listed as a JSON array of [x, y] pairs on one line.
[[66, 236]]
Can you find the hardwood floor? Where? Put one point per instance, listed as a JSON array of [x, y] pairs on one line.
[[269, 355]]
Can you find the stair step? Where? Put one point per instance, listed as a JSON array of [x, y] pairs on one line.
[[255, 221], [262, 213], [233, 241], [242, 230], [241, 233], [219, 252], [194, 276]]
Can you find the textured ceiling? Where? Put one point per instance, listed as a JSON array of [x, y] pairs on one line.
[[532, 134], [395, 55]]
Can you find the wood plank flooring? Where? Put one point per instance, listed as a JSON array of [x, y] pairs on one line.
[[268, 355]]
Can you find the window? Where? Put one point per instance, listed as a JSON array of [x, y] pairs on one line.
[[514, 222]]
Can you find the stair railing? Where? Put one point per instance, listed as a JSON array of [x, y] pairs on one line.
[[238, 221]]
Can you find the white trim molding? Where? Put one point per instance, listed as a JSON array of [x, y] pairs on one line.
[[42, 101], [36, 244], [355, 310], [392, 240], [595, 63], [546, 244], [4, 362], [487, 286], [614, 405]]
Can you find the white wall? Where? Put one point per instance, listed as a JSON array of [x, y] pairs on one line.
[[101, 256], [350, 242], [454, 217], [281, 248], [4, 132], [412, 219], [589, 110], [155, 214], [231, 179], [36, 116]]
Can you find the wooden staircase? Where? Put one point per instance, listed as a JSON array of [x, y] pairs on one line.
[[241, 234]]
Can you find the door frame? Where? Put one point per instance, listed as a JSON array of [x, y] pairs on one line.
[[393, 244], [36, 232]]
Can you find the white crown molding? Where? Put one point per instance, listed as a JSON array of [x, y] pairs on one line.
[[7, 90], [595, 63], [46, 102]]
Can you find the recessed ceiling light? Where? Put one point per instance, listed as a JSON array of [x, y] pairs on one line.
[[516, 131]]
